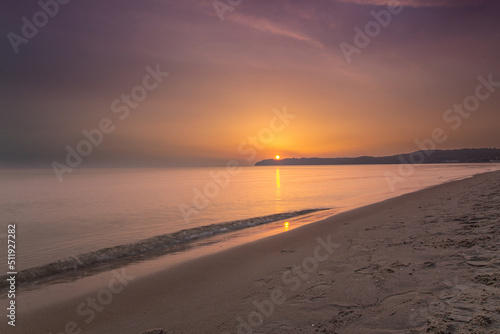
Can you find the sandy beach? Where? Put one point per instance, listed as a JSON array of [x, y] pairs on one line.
[[425, 262]]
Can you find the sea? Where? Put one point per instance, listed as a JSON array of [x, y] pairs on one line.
[[96, 215]]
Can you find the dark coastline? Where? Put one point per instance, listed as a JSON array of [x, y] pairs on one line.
[[485, 155]]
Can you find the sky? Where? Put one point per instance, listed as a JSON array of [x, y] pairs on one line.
[[202, 82]]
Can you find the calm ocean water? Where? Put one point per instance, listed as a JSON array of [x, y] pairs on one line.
[[97, 208]]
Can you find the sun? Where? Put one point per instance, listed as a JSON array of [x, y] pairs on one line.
[[277, 157]]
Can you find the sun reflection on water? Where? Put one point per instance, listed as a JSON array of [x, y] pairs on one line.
[[278, 190], [278, 179]]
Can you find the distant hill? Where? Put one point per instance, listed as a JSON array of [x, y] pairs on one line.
[[428, 157]]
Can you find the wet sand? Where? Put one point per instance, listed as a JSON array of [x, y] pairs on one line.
[[425, 262]]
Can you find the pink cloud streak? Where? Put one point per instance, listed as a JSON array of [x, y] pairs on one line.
[[273, 28], [420, 3]]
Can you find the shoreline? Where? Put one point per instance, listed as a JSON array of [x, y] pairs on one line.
[[143, 249], [77, 232], [79, 266], [395, 259]]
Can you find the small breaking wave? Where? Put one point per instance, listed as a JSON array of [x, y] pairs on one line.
[[158, 243]]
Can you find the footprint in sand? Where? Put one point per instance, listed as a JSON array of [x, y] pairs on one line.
[[434, 312], [262, 281]]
